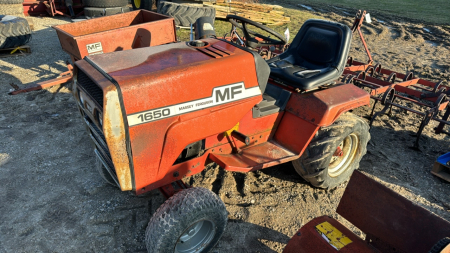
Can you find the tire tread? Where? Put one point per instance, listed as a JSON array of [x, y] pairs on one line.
[[314, 162], [14, 31], [182, 206], [185, 15]]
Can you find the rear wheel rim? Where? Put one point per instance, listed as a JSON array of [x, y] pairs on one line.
[[137, 3], [339, 164], [196, 237]]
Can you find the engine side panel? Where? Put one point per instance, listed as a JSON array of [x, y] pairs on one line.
[[175, 95]]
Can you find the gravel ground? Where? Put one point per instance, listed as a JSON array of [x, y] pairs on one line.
[[53, 200]]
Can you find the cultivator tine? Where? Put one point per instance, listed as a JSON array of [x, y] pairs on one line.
[[383, 111], [387, 100], [373, 109], [440, 128], [424, 122], [390, 108]]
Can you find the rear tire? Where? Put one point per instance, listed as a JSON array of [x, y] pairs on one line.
[[192, 220], [185, 15], [322, 165]]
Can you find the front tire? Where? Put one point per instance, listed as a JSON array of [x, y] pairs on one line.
[[192, 220], [103, 172], [335, 152]]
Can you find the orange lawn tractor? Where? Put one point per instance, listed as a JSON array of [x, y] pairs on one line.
[[162, 113]]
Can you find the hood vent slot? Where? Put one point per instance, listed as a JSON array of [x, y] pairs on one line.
[[215, 51]]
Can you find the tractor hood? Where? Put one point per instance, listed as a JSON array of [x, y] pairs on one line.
[[176, 73]]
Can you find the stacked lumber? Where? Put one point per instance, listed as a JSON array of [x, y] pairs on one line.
[[262, 13]]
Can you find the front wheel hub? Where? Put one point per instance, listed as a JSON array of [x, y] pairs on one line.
[[343, 156], [196, 237]]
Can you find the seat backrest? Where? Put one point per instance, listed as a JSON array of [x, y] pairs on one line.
[[321, 44]]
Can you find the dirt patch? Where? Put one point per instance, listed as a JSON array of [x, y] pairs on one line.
[[53, 200]]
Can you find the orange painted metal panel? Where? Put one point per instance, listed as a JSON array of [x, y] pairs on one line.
[[323, 107], [119, 32], [295, 133]]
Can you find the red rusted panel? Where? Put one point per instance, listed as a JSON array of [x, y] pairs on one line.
[[119, 32], [37, 7], [178, 171], [305, 113], [388, 218], [295, 133], [183, 133], [323, 107], [308, 239], [157, 144], [187, 62]]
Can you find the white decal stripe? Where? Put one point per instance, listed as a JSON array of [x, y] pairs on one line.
[[220, 95]]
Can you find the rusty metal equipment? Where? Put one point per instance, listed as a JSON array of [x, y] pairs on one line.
[[161, 113], [386, 86], [391, 223], [50, 7], [120, 32], [52, 11], [441, 167], [62, 78]]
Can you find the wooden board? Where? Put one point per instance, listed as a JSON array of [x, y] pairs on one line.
[[262, 13]]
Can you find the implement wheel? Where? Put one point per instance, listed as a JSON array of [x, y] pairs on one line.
[[335, 152], [192, 220]]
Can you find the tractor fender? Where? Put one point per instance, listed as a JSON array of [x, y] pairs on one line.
[[307, 112]]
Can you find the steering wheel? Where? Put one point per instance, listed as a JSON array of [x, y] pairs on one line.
[[252, 41]]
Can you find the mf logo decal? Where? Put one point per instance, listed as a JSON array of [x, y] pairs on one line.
[[220, 95], [94, 48], [223, 93]]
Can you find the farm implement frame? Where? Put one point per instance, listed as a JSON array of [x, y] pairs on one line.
[[387, 87]]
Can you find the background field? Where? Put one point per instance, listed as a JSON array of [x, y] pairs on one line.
[[429, 11]]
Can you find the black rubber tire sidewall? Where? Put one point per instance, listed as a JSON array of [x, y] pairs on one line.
[[100, 12], [14, 31], [105, 3], [104, 174], [179, 212], [440, 245], [184, 15], [314, 162]]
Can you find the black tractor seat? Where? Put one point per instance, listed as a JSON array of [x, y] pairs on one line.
[[316, 57]]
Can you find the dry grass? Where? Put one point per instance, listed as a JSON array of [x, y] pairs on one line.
[[436, 11], [298, 17]]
